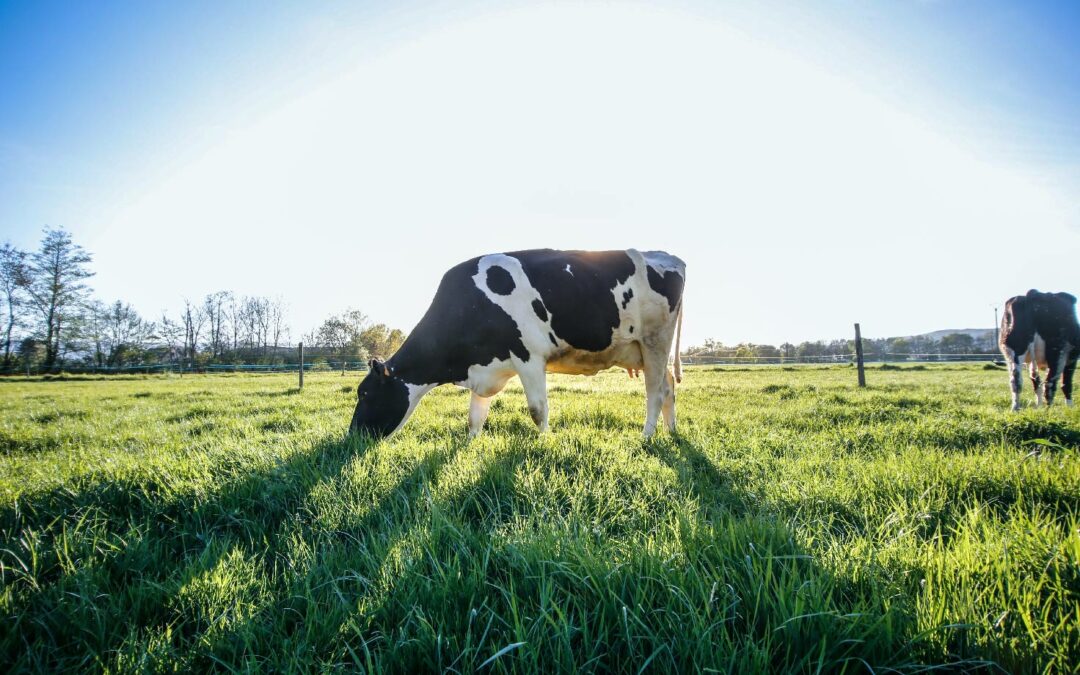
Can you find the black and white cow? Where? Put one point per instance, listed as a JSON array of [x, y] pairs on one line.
[[1041, 328], [528, 313]]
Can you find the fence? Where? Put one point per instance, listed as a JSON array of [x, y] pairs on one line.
[[268, 359], [322, 365], [183, 368], [838, 359]]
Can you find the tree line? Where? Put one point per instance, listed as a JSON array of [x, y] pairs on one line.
[[825, 350], [52, 321]]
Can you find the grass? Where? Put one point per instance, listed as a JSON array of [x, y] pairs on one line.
[[794, 524]]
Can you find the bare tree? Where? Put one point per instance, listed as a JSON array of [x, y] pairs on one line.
[[172, 335], [126, 333], [278, 328], [193, 319], [94, 330], [14, 278], [55, 286], [261, 312], [216, 308], [232, 313]]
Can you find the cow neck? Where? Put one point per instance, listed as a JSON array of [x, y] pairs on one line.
[[410, 365]]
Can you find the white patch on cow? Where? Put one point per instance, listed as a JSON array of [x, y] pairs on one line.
[[665, 262], [568, 270], [488, 380], [518, 304], [1035, 358], [1037, 351], [416, 392], [479, 406]]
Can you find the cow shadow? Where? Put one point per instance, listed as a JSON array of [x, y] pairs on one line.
[[716, 493]]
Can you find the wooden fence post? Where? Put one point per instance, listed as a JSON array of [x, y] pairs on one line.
[[301, 365], [858, 356]]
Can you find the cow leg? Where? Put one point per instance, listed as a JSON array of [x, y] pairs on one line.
[[479, 406], [657, 377], [668, 408], [1055, 363], [1033, 371], [534, 380], [1015, 368], [1067, 377]]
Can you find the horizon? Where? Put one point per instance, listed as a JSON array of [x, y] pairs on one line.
[[815, 167]]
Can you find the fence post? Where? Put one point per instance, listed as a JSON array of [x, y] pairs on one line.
[[301, 365], [859, 357]]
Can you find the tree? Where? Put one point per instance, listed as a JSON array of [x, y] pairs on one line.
[[342, 334], [94, 331], [957, 343], [14, 278], [380, 341], [192, 318], [31, 352], [172, 336], [126, 333], [278, 329], [766, 351], [56, 272], [216, 309], [787, 350]]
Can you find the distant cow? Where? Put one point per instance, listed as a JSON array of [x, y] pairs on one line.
[[528, 313], [1041, 329]]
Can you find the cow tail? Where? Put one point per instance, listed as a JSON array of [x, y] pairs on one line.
[[678, 344]]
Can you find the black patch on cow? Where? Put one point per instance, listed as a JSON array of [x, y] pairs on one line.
[[627, 294], [631, 329], [538, 307], [670, 286], [461, 328], [583, 309], [381, 404], [553, 340], [499, 280]]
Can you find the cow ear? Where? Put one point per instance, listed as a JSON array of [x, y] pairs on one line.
[[377, 367], [387, 370]]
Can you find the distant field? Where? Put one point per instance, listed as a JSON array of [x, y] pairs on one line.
[[794, 524]]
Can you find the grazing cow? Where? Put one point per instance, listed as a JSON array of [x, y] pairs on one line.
[[1041, 328], [528, 313]]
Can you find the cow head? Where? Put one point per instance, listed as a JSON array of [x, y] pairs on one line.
[[382, 401]]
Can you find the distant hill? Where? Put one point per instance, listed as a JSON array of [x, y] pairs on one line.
[[976, 333]]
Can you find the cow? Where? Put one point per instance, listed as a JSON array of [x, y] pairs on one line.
[[528, 313], [1041, 329]]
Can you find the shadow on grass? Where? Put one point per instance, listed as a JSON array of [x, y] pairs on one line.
[[105, 554], [428, 576]]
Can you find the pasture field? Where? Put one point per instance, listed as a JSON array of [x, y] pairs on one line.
[[795, 523]]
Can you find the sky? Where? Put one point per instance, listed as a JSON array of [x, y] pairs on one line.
[[905, 165]]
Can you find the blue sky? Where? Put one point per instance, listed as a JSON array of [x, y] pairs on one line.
[[924, 149]]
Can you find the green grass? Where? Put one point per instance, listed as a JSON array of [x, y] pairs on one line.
[[794, 524]]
